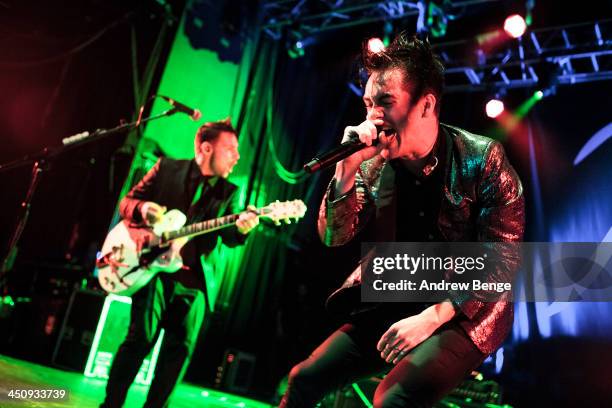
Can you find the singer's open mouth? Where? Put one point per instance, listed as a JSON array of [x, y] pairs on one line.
[[390, 132]]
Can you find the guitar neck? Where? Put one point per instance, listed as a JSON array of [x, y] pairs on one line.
[[276, 212], [199, 228]]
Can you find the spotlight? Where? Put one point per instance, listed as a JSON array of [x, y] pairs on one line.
[[296, 50], [515, 26], [526, 107], [494, 108], [376, 45], [295, 44], [388, 31]]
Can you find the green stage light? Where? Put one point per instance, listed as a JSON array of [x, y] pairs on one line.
[[218, 398], [526, 106], [362, 396]]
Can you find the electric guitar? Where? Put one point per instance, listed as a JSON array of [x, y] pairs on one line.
[[132, 256]]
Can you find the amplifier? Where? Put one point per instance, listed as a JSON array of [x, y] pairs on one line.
[[78, 328], [236, 372]]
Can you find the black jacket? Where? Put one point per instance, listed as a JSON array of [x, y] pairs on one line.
[[172, 183]]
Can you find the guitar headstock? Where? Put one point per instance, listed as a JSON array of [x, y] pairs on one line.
[[283, 211]]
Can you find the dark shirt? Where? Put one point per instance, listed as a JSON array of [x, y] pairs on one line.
[[418, 198], [407, 206], [417, 208]]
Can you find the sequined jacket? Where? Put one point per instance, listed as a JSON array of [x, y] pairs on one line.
[[482, 201]]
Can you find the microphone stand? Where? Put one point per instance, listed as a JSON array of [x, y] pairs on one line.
[[41, 162]]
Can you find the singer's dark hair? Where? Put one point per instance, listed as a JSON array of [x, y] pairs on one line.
[[423, 71], [210, 131]]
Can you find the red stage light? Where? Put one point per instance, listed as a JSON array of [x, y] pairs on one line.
[[515, 26], [494, 108], [376, 45]]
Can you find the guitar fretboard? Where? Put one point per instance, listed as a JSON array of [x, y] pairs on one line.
[[276, 211], [201, 227]]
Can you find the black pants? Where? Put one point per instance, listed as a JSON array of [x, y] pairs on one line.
[[422, 377], [166, 304]]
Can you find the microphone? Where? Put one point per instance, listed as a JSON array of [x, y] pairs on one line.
[[333, 156], [194, 114]]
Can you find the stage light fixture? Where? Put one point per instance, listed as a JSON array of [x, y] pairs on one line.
[[296, 50], [538, 95], [388, 33], [376, 45], [515, 26], [548, 78], [494, 108], [295, 43], [523, 109]]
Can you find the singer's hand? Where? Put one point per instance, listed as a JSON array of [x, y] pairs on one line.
[[367, 133], [346, 169]]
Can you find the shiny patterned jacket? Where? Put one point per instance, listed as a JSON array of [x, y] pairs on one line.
[[482, 201]]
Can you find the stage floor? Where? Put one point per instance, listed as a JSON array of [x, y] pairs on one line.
[[86, 392]]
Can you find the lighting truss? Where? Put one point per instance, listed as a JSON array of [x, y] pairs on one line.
[[313, 17], [541, 58]]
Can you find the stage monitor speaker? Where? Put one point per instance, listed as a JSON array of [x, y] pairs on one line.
[[112, 328]]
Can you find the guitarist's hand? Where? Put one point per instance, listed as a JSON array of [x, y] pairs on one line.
[[247, 221], [151, 212]]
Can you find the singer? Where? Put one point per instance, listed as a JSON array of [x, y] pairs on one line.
[[423, 181], [175, 301]]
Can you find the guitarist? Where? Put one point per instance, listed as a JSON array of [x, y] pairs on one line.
[[423, 181], [176, 301]]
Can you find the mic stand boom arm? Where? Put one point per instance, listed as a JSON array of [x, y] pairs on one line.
[[40, 163]]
